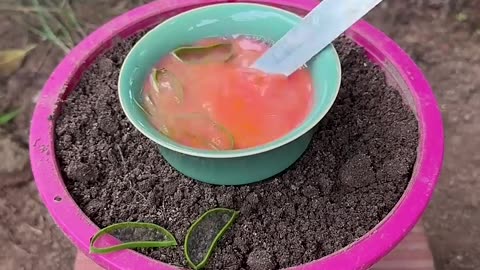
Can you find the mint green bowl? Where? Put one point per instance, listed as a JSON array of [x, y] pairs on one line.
[[233, 167]]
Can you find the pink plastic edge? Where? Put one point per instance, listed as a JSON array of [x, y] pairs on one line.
[[359, 255]]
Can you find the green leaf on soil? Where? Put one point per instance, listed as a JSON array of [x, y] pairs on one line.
[[133, 235], [204, 234], [219, 52], [222, 138], [162, 79], [7, 117], [11, 60]]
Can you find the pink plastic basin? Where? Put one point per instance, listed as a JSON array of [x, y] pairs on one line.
[[401, 72]]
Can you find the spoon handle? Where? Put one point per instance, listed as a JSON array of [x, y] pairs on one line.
[[319, 28]]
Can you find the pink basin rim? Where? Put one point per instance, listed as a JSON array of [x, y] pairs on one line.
[[359, 255]]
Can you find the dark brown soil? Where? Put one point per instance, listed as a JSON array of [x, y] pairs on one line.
[[354, 172]]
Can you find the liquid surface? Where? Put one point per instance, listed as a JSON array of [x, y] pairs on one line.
[[206, 96]]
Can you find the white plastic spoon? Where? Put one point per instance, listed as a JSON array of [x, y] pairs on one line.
[[319, 28]]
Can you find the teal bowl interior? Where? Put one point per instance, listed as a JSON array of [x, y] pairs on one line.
[[222, 20]]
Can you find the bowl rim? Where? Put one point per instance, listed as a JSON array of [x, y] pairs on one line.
[[292, 135], [360, 254]]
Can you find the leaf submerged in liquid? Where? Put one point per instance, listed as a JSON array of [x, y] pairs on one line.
[[218, 52]]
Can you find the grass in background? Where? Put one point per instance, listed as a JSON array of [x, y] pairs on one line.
[[56, 21], [52, 20]]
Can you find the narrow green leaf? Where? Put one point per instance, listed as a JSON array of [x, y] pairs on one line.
[[73, 18], [47, 30], [164, 80], [131, 230], [57, 20], [26, 9], [219, 52], [222, 139], [7, 117], [204, 234]]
